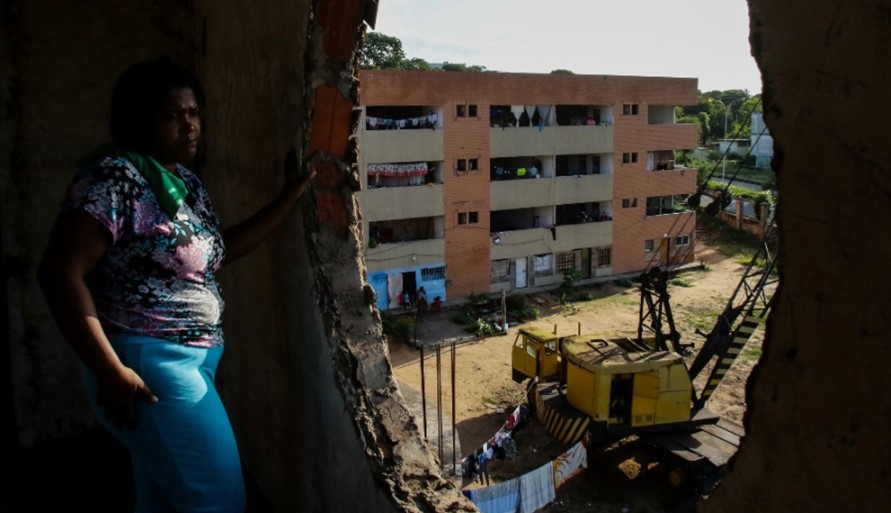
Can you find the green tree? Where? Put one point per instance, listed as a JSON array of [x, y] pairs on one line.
[[415, 64], [562, 72], [382, 52], [455, 66]]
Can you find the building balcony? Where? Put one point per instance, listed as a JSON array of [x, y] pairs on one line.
[[669, 136], [679, 180], [389, 203], [540, 192], [537, 241], [583, 189], [396, 255], [551, 140], [424, 145]]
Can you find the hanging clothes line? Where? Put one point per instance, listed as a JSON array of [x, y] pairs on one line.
[[408, 169], [428, 121]]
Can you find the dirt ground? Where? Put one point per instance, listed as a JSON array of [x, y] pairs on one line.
[[485, 394]]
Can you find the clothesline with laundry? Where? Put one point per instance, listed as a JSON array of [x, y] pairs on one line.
[[533, 490], [529, 492], [428, 121]]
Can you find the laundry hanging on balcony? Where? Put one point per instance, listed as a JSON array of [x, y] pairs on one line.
[[428, 121], [397, 175], [408, 169]]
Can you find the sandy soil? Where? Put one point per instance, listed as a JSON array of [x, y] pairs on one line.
[[485, 393]]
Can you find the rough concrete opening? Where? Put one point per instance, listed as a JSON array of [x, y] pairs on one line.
[[321, 424]]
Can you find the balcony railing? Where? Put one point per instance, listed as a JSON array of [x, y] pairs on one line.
[[550, 140], [404, 254], [536, 241], [401, 145], [541, 192], [388, 203]]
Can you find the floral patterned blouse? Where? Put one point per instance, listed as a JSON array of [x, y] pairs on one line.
[[158, 277]]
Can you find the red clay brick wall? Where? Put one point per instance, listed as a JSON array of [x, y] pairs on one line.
[[467, 245]]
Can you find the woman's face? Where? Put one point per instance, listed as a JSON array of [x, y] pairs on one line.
[[177, 128]]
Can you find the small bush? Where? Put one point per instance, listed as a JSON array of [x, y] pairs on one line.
[[584, 296], [462, 318], [624, 282], [515, 302], [483, 327], [402, 327], [531, 313], [478, 299]]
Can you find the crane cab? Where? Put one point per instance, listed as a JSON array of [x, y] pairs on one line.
[[535, 352], [624, 383]]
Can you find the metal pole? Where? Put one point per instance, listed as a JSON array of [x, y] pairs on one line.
[[454, 445], [423, 394], [724, 157], [439, 398]]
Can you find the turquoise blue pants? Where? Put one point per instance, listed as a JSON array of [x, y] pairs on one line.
[[185, 459]]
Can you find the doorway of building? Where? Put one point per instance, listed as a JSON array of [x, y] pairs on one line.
[[664, 254], [520, 268], [410, 284], [585, 266]]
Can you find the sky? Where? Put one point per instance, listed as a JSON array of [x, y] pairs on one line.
[[704, 39]]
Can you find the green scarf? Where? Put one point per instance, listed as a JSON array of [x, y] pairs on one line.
[[170, 189]]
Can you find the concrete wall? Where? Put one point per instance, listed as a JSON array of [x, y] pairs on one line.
[[305, 377], [819, 411]]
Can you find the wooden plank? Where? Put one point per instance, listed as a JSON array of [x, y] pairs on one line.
[[669, 443], [719, 432], [733, 427], [698, 443]]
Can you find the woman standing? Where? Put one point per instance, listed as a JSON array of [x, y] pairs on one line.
[[130, 277]]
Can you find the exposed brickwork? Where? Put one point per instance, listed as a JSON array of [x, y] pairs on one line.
[[466, 192]]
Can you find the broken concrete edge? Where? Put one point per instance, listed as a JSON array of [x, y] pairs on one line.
[[401, 462]]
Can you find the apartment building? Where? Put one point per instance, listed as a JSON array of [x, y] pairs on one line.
[[481, 182]]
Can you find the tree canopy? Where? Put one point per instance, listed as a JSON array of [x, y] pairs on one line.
[[713, 108], [385, 52]]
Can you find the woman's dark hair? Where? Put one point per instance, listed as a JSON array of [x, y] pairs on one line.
[[138, 95]]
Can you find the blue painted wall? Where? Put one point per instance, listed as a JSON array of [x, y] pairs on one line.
[[434, 286]]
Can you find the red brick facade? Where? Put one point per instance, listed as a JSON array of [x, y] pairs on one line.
[[466, 136]]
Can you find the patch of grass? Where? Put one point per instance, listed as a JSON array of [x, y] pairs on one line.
[[682, 282], [752, 353]]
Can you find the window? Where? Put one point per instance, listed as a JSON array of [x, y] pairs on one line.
[[474, 164], [634, 156], [629, 158], [465, 111], [500, 270], [649, 245], [682, 240], [630, 109], [565, 261], [659, 205], [629, 202], [604, 257], [542, 265], [461, 165], [468, 217], [433, 273]]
